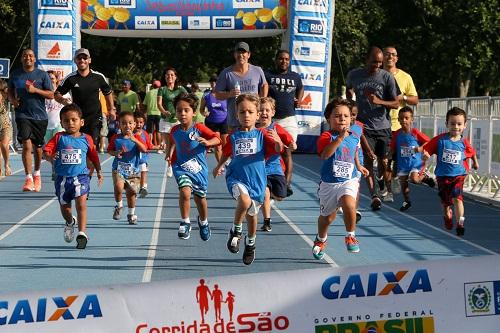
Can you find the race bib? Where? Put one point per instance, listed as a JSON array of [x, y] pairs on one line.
[[71, 156], [246, 146], [125, 169], [191, 166], [343, 169], [451, 156], [407, 151]]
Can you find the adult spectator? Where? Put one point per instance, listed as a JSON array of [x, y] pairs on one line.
[[153, 113], [285, 86], [169, 90], [376, 93], [28, 89], [84, 85], [216, 116], [407, 95], [241, 77], [5, 130], [128, 100]]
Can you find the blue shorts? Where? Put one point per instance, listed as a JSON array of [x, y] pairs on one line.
[[69, 188]]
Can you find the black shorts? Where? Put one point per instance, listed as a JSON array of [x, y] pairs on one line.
[[30, 129], [93, 127], [277, 185], [220, 128], [379, 141], [152, 123]]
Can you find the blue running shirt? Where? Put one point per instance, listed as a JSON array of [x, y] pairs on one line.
[[128, 164], [341, 166], [275, 164], [451, 155], [403, 144]]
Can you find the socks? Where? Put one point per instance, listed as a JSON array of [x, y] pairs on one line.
[[29, 176], [36, 173], [461, 222], [321, 238], [237, 227], [186, 220], [131, 210], [251, 240], [203, 222], [119, 204], [351, 233]]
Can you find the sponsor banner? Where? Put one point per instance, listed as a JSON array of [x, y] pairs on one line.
[[199, 22], [310, 27], [311, 101], [308, 124], [55, 25], [248, 3], [61, 70], [309, 51], [404, 297], [222, 22], [311, 76], [55, 4], [171, 22], [313, 6], [495, 150], [120, 3], [146, 22], [55, 50], [479, 138]]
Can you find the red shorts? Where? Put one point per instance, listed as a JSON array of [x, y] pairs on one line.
[[450, 188]]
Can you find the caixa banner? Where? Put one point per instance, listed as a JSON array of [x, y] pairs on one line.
[[184, 19], [404, 298]]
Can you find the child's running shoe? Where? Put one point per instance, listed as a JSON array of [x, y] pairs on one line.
[[249, 254], [184, 230], [132, 218], [170, 172], [460, 230], [266, 226], [289, 190], [233, 242], [143, 192], [448, 222], [352, 244], [117, 213], [81, 240], [389, 197], [69, 230], [37, 183], [358, 216], [376, 202], [429, 180], [405, 206], [204, 230], [318, 249], [28, 185]]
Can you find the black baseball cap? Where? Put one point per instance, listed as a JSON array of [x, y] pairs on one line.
[[242, 46]]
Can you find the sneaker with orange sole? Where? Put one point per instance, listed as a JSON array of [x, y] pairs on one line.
[[318, 249], [37, 180], [28, 185], [352, 244]]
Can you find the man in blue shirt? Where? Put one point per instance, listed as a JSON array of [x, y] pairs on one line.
[[28, 89]]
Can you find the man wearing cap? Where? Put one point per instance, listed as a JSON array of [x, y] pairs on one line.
[[153, 112], [84, 85], [28, 89], [249, 78], [127, 98]]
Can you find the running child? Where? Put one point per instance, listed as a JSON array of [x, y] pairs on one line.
[[186, 153], [68, 152], [452, 151], [246, 180], [338, 148], [404, 145], [140, 121], [275, 166], [126, 147]]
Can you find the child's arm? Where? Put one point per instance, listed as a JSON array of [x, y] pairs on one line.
[[278, 144], [140, 144], [331, 147], [94, 158], [364, 171], [112, 147], [169, 150], [475, 162], [227, 151], [286, 138], [367, 150], [208, 138], [50, 149]]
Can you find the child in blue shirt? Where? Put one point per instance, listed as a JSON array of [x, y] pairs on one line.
[[140, 121], [68, 151], [126, 147], [186, 153], [452, 151], [338, 148], [246, 174]]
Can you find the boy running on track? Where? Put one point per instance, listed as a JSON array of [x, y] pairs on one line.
[[452, 151], [126, 148], [275, 166], [140, 120], [68, 151], [246, 180], [186, 153], [338, 148], [404, 144]]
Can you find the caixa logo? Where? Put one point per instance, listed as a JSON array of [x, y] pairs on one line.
[[58, 307], [335, 288], [310, 27], [54, 25]]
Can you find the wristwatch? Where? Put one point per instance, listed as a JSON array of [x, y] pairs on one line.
[[405, 98]]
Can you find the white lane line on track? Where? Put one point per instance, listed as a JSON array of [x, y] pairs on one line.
[[418, 221], [30, 216], [148, 268]]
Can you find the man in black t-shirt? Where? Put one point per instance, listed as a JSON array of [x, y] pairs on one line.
[[84, 85], [287, 90]]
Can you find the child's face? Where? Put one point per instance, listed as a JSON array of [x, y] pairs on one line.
[[354, 114], [184, 112], [405, 120], [71, 122], [340, 118], [127, 124], [456, 125], [266, 113], [247, 114], [139, 123]]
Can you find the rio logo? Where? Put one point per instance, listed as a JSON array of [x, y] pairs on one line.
[[24, 311], [335, 288]]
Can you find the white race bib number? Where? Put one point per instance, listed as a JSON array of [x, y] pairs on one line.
[[191, 166], [125, 169], [407, 151], [451, 156], [343, 169], [71, 156], [246, 146]]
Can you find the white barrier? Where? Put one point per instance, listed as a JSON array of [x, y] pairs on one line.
[[457, 295]]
